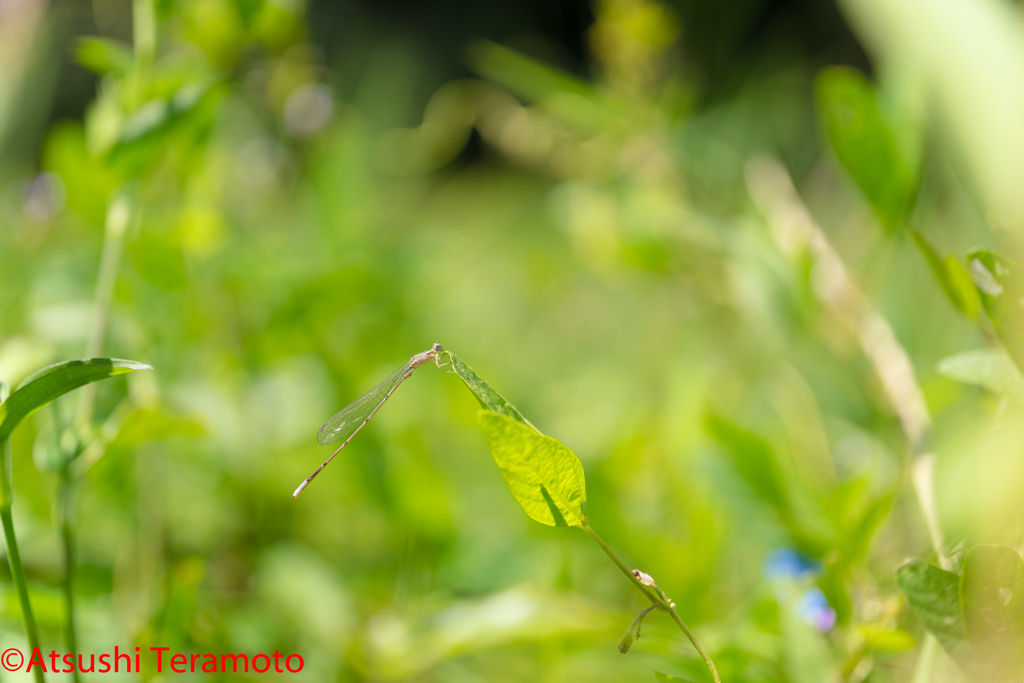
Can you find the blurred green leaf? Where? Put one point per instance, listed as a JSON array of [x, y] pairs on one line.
[[989, 368], [888, 639], [992, 593], [148, 119], [511, 617], [544, 476], [753, 457], [527, 77], [953, 278], [807, 656], [866, 144], [933, 594], [665, 678], [860, 535], [1000, 283], [179, 121], [54, 381], [835, 585], [485, 394], [801, 509], [566, 97], [89, 183], [145, 424], [104, 55]]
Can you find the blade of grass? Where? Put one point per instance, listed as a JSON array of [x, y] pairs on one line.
[[13, 556]]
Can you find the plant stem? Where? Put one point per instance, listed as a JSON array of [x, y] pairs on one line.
[[18, 574], [923, 670], [118, 214], [144, 28], [620, 564], [657, 598], [64, 505], [13, 556]]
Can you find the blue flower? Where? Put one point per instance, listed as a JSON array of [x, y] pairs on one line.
[[813, 607], [786, 563]]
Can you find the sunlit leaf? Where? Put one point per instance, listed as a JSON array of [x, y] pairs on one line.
[[485, 394], [53, 382], [989, 368], [866, 144], [1000, 283], [952, 277], [104, 55], [545, 477]]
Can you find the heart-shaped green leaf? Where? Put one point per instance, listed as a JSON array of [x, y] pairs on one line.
[[933, 594], [544, 476], [871, 149]]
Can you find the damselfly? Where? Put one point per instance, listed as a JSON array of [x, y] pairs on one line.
[[347, 423]]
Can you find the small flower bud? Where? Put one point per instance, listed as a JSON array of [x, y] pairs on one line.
[[627, 641], [633, 632]]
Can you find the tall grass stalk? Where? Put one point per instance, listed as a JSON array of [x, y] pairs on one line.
[[13, 554]]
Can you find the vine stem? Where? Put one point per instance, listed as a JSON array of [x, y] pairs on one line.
[[658, 598]]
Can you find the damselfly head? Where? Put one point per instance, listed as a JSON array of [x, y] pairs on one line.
[[438, 349]]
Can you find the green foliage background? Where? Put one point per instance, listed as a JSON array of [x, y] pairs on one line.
[[617, 251]]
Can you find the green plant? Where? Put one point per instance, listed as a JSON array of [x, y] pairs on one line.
[[547, 480], [976, 615], [36, 391]]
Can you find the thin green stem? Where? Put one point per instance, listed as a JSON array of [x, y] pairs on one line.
[[117, 219], [693, 639], [621, 565], [118, 216], [923, 670], [657, 598], [64, 513], [18, 574], [144, 28]]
